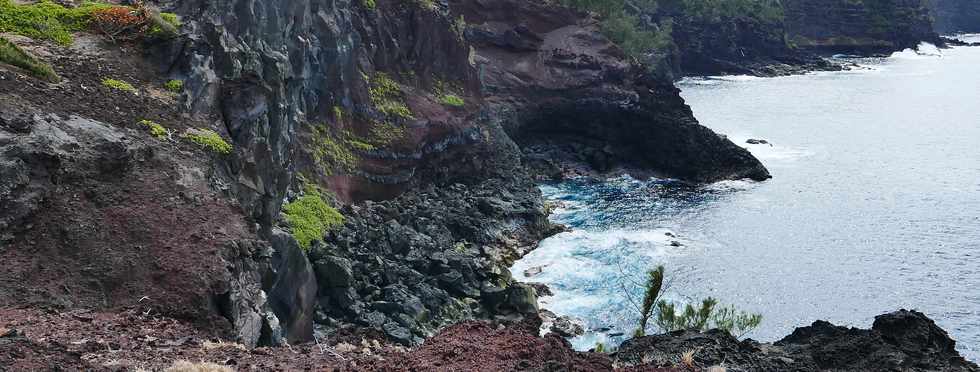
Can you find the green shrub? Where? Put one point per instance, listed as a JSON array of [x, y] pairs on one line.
[[156, 130], [13, 55], [209, 140], [330, 153], [655, 282], [370, 4], [175, 86], [452, 100], [118, 85], [163, 24], [309, 217], [46, 20]]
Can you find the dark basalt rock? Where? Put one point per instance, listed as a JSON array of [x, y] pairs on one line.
[[858, 28], [899, 341], [952, 16]]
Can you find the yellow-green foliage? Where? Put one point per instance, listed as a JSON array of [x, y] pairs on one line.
[[330, 153], [338, 113], [452, 100], [309, 216], [387, 97], [175, 86], [370, 4], [46, 20], [164, 24], [156, 130], [12, 55], [209, 140], [383, 134], [118, 85]]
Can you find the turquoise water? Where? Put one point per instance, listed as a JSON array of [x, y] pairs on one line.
[[874, 206]]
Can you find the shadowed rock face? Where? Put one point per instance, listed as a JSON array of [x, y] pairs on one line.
[[571, 97], [858, 27], [899, 341], [953, 16]]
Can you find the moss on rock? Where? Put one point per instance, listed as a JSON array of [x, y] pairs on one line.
[[309, 216]]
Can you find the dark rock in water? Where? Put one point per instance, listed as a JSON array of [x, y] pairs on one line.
[[899, 341], [563, 326], [533, 271], [674, 243], [541, 289], [753, 141]]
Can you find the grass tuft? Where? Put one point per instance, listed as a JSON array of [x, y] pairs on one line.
[[118, 85], [156, 130], [209, 140], [452, 100], [13, 55], [175, 86]]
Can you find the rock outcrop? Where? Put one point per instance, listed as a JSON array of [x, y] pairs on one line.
[[861, 27], [899, 341]]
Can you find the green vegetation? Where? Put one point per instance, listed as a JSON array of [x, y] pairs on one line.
[[163, 24], [13, 55], [336, 150], [624, 28], [701, 318], [654, 284], [387, 97], [209, 140], [715, 10], [369, 4], [47, 20], [309, 216], [118, 85], [452, 100], [642, 42], [175, 86], [156, 130], [329, 152]]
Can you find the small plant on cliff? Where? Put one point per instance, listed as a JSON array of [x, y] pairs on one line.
[[118, 85], [387, 97], [369, 4], [156, 130], [652, 288], [309, 216], [13, 55], [700, 318], [452, 100], [208, 139], [175, 86]]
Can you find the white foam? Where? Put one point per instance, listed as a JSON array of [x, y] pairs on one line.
[[923, 51], [771, 151]]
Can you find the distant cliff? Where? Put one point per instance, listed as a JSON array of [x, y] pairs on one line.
[[956, 15], [858, 26]]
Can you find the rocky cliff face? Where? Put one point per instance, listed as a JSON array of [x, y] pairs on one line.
[[737, 43], [424, 117], [955, 15], [858, 27], [278, 76]]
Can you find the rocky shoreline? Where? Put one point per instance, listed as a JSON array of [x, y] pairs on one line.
[[425, 125]]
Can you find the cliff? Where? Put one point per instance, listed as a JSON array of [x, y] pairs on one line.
[[401, 115], [858, 27], [737, 40], [953, 16]]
